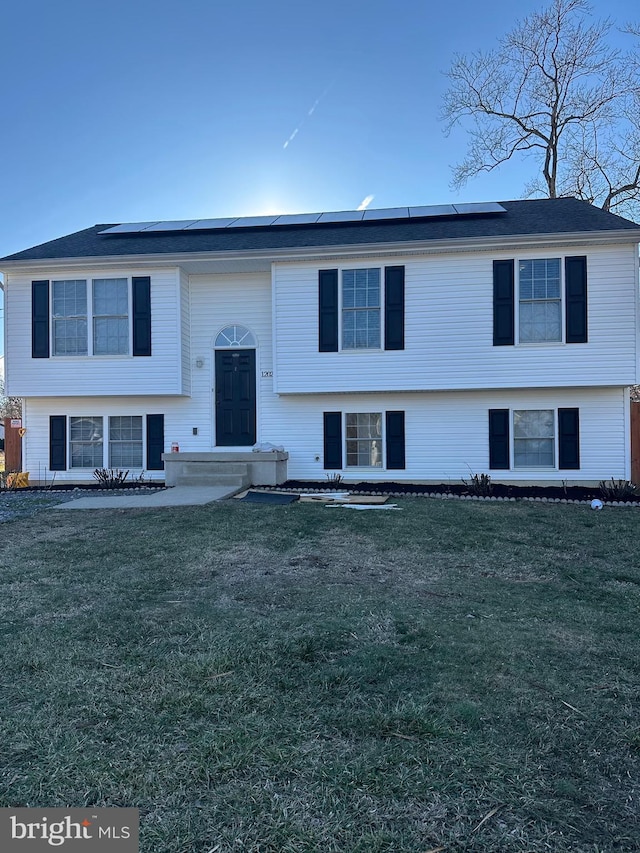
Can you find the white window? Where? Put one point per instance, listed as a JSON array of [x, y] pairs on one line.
[[69, 304], [361, 309], [534, 438], [540, 300], [364, 440], [125, 441], [85, 440], [110, 316], [105, 330]]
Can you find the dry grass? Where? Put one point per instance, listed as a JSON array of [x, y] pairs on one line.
[[454, 676]]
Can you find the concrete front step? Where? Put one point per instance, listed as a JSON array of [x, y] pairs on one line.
[[232, 474], [250, 467], [208, 480]]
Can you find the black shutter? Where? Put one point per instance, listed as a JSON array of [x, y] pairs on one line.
[[58, 443], [328, 310], [155, 442], [39, 319], [569, 439], [575, 283], [141, 315], [394, 308], [333, 439], [503, 303], [395, 440], [498, 439]]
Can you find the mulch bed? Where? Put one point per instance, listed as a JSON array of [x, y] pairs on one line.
[[498, 491]]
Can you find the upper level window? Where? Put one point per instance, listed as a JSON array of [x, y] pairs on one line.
[[361, 309], [540, 302], [110, 316], [105, 331], [69, 303]]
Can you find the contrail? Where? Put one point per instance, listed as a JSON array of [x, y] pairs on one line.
[[310, 112], [364, 204]]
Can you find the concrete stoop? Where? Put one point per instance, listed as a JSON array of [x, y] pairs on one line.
[[235, 470], [232, 474]]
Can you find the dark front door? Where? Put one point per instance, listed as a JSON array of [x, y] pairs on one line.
[[235, 398]]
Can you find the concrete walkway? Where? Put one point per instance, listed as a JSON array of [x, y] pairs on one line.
[[176, 496]]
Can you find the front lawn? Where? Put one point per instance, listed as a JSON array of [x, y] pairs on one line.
[[456, 676]]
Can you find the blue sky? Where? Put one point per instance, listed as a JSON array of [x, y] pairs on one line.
[[175, 109]]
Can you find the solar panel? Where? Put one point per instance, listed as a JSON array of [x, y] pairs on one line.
[[252, 221], [342, 216], [204, 224], [421, 212], [177, 225], [432, 210], [480, 207], [297, 219], [129, 228], [387, 213]]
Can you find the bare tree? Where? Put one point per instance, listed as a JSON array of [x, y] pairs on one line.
[[555, 90], [10, 407]]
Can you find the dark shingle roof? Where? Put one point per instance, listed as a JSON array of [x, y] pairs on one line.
[[538, 216]]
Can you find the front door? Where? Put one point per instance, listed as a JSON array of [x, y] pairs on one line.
[[235, 398]]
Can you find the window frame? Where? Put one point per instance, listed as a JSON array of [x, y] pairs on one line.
[[379, 308], [111, 442], [106, 442], [383, 442], [554, 439], [71, 442], [91, 316], [562, 299]]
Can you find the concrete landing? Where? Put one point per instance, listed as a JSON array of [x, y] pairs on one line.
[[177, 496]]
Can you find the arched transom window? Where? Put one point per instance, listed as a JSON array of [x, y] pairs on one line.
[[235, 336]]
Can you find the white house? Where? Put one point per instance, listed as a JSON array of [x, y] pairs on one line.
[[406, 344]]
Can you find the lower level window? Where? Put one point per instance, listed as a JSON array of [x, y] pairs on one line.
[[364, 440], [125, 441], [533, 438], [86, 442]]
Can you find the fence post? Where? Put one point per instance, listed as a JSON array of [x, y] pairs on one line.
[[12, 447]]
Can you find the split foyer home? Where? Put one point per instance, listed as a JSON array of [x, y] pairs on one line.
[[415, 344]]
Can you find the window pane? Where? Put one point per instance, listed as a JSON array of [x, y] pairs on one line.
[[111, 316], [125, 441], [361, 309], [110, 336], [85, 436], [110, 297], [533, 438], [69, 308], [364, 440], [70, 337], [540, 300], [70, 298]]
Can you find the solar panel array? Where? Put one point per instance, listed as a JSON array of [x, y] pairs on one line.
[[424, 212]]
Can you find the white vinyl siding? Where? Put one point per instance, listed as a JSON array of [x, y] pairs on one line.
[[85, 374], [449, 330]]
